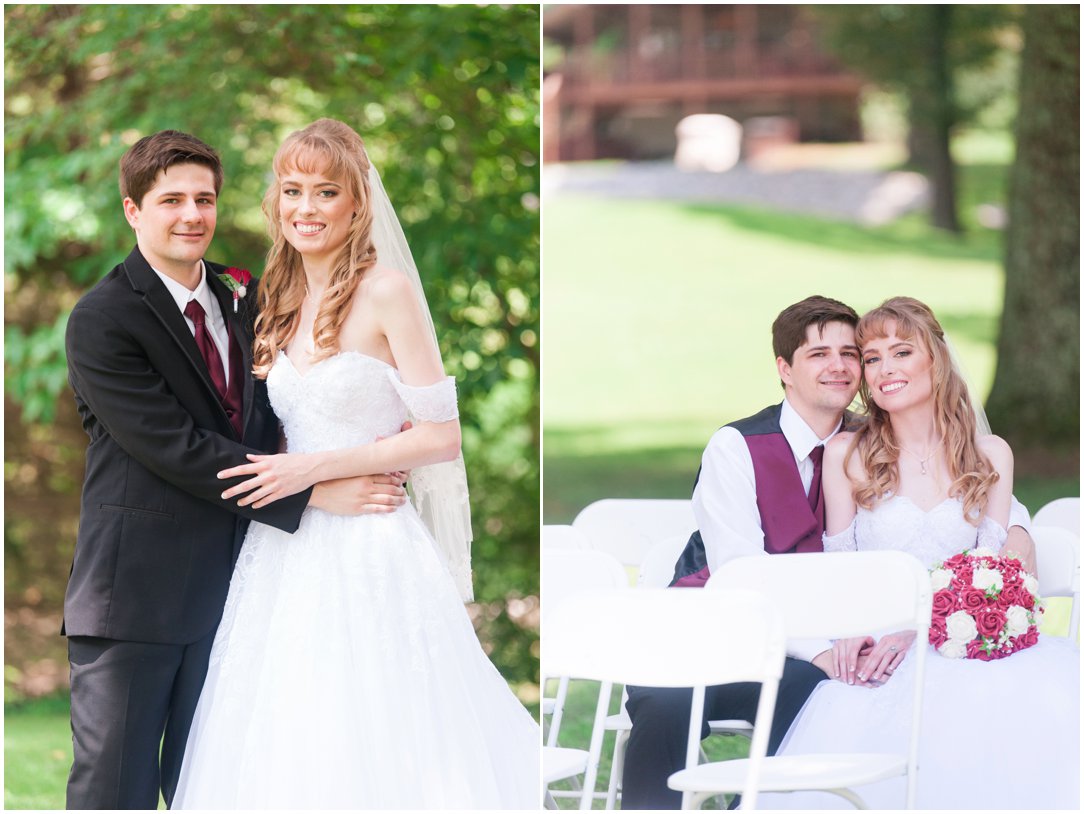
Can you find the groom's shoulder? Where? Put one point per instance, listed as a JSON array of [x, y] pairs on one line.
[[765, 422]]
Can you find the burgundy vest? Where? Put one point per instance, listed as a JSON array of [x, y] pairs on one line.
[[790, 524]]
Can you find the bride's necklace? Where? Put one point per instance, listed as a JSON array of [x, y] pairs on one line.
[[923, 461]]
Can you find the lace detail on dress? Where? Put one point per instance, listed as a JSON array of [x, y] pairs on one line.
[[844, 541], [896, 523], [435, 402]]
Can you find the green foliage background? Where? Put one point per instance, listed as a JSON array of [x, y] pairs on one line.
[[446, 98]]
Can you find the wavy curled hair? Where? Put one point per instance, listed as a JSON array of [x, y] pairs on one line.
[[333, 149], [971, 472]]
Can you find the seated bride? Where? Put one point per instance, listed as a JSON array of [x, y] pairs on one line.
[[919, 476]]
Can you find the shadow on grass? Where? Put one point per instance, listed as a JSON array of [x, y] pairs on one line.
[[907, 235]]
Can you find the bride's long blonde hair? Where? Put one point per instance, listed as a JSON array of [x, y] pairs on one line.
[[972, 475], [332, 148]]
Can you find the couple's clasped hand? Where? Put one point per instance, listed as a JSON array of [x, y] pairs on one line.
[[273, 477], [864, 660]]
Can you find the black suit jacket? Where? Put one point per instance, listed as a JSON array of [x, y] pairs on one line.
[[156, 543]]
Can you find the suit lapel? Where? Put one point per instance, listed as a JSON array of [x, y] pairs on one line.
[[158, 299]]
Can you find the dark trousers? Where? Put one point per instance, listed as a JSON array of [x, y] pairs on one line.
[[128, 700], [660, 728]]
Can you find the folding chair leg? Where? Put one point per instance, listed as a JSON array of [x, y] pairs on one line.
[[617, 768]]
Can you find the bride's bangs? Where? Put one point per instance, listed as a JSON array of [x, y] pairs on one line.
[[874, 325], [311, 156]]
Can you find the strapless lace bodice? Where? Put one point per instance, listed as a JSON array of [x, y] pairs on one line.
[[897, 523], [350, 399]]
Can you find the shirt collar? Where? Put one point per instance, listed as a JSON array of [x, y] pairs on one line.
[[182, 295], [801, 438]]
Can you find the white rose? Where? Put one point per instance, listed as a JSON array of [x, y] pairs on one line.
[[1031, 584], [986, 578], [1016, 621], [940, 579], [982, 551], [953, 649], [961, 627]]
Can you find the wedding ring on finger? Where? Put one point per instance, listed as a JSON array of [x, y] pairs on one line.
[[892, 648]]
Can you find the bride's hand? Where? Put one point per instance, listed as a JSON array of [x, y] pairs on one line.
[[272, 477], [846, 653], [886, 656]]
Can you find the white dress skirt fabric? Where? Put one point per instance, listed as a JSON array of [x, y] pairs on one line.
[[345, 672], [995, 735]]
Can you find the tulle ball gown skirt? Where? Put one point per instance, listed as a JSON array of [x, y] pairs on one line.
[[346, 674]]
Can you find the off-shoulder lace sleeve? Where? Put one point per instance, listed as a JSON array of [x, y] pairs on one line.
[[434, 402], [991, 535], [844, 541]]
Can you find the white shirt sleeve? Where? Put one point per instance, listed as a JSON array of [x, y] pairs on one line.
[[725, 500], [725, 507], [1018, 515]]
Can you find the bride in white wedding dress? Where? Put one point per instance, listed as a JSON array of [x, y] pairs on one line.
[[345, 672], [918, 477]]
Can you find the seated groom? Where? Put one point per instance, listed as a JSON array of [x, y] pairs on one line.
[[758, 491]]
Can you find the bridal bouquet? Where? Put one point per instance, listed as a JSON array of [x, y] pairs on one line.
[[984, 606]]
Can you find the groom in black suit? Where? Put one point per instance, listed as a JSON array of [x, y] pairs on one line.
[[159, 354]]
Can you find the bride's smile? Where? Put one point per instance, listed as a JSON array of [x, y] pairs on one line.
[[316, 214]]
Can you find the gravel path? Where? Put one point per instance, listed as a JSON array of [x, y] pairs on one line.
[[867, 197]]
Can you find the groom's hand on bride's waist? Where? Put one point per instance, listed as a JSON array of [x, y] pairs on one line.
[[365, 494]]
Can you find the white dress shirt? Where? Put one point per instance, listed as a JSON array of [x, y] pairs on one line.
[[216, 323], [725, 500]]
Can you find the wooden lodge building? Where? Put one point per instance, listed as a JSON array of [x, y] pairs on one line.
[[629, 73]]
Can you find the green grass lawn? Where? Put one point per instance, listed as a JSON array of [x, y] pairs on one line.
[[37, 753], [657, 322]]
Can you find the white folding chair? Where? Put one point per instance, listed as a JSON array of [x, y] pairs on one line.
[[554, 536], [1057, 557], [566, 573], [818, 595], [654, 638], [627, 528], [1063, 512], [656, 571]]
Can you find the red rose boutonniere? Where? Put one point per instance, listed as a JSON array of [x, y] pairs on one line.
[[236, 280]]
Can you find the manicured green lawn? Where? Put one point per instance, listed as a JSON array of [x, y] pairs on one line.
[[38, 753], [657, 323]]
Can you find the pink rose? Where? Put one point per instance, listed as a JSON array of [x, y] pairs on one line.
[[944, 603], [990, 622], [938, 636], [962, 577], [1027, 639], [972, 599], [975, 651], [1013, 594]]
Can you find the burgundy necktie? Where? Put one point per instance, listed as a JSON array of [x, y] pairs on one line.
[[816, 455], [194, 311]]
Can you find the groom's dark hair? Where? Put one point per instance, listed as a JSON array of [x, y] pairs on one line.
[[789, 328], [139, 167]]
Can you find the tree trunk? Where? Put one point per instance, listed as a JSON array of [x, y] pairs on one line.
[[1035, 399], [933, 114]]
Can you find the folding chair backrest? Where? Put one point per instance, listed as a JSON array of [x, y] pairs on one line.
[[659, 637], [1057, 557], [568, 572], [627, 528], [838, 594], [1056, 554], [1063, 512], [657, 568], [554, 536]]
